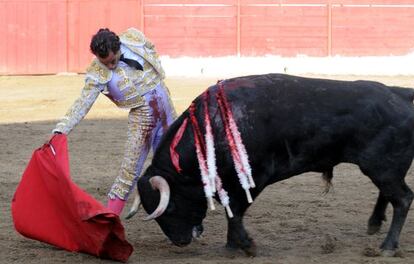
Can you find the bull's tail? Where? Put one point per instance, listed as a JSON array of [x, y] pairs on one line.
[[327, 178]]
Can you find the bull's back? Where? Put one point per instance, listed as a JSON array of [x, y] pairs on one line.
[[314, 119], [276, 101]]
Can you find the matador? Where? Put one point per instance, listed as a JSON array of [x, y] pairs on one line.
[[128, 71]]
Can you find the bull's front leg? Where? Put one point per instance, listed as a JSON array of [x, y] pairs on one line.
[[237, 236], [378, 216]]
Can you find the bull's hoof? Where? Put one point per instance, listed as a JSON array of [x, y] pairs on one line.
[[373, 229], [388, 253], [376, 252], [231, 246], [250, 251], [397, 253]]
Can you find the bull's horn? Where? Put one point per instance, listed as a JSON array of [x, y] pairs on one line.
[[135, 205], [159, 183]]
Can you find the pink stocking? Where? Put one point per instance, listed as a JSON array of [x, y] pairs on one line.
[[116, 205]]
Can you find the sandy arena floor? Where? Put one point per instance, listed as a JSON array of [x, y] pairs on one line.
[[292, 221]]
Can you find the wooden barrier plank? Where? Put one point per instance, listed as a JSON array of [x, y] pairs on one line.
[[82, 25], [377, 30], [286, 32], [59, 31], [194, 47], [284, 2], [32, 43], [190, 2], [316, 2], [289, 11], [192, 11], [277, 30], [189, 36]]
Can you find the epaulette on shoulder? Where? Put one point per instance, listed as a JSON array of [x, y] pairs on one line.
[[98, 72], [132, 37]]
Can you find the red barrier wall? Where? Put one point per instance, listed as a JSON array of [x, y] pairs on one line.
[[33, 37], [55, 37], [370, 31], [192, 27], [85, 17]]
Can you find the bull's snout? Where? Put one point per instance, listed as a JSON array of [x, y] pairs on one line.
[[195, 234], [182, 242]]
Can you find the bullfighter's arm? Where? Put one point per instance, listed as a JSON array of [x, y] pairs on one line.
[[80, 107]]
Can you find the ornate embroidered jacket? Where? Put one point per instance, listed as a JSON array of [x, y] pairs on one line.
[[123, 85]]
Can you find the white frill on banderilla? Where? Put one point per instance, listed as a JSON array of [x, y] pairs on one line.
[[211, 180]]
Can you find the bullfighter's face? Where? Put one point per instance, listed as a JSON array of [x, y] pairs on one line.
[[182, 220], [110, 61]]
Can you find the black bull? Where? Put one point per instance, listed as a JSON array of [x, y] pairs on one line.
[[291, 125]]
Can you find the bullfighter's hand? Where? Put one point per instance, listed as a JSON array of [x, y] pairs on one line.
[[50, 136]]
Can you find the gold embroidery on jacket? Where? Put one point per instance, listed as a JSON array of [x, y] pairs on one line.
[[133, 37], [133, 84], [136, 41], [80, 107], [99, 72], [125, 84]]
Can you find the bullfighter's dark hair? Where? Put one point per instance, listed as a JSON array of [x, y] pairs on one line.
[[103, 42]]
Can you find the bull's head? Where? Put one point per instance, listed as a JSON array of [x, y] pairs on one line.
[[179, 214]]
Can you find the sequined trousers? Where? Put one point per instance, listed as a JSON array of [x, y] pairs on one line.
[[146, 125]]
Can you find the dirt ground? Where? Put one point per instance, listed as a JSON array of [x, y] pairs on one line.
[[291, 221]]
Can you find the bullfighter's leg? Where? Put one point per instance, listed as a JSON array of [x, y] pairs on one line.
[[140, 127], [375, 221], [396, 191]]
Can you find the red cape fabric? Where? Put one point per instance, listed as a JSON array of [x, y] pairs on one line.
[[49, 207]]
